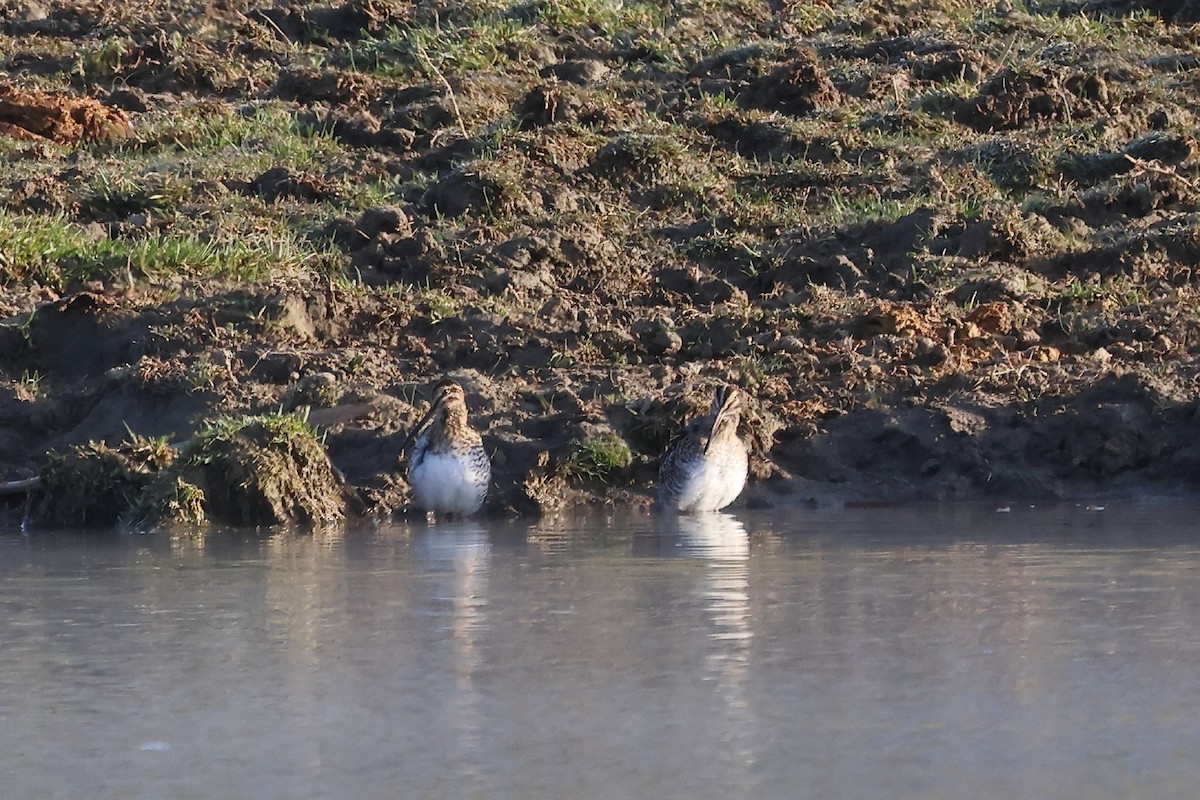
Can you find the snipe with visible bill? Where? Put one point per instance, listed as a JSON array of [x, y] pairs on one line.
[[705, 465], [448, 469]]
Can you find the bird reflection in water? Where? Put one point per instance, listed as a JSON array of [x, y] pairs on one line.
[[462, 553], [458, 558], [721, 541]]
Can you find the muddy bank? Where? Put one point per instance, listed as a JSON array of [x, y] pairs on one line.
[[1127, 429], [948, 251]]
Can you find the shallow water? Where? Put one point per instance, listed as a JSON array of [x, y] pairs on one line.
[[889, 653]]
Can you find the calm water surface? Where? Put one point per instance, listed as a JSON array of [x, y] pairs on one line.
[[914, 653]]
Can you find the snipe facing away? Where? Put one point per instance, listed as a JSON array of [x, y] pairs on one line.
[[705, 465], [448, 469]]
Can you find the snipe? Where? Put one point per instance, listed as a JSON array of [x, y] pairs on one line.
[[448, 469], [706, 463]]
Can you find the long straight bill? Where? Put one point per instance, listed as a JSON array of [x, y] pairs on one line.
[[420, 426]]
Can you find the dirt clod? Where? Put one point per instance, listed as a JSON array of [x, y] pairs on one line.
[[1014, 100], [281, 183], [264, 471], [467, 192], [97, 485], [799, 87], [37, 116]]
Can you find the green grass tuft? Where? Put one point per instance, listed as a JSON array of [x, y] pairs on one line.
[[56, 252], [269, 429], [597, 458]]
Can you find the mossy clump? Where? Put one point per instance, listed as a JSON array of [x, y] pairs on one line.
[[597, 459], [545, 484], [97, 485], [263, 470], [169, 499], [260, 470]]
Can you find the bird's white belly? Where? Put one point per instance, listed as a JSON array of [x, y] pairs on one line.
[[448, 485], [714, 485]]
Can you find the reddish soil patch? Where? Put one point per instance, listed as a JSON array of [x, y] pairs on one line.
[[34, 116]]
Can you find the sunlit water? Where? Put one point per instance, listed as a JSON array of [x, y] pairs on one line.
[[912, 653]]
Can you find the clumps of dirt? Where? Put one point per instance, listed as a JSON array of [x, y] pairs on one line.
[[261, 470], [581, 71], [308, 85], [387, 240], [169, 500], [548, 104], [792, 80], [264, 470], [926, 59], [1010, 164], [894, 319], [545, 485], [1002, 235], [1133, 422], [361, 129], [1165, 149], [764, 141], [281, 183], [1114, 437], [872, 252], [470, 191], [993, 281], [728, 72], [97, 485], [380, 220], [43, 194], [1182, 12], [798, 87], [157, 61], [588, 466], [638, 158], [376, 112], [1012, 100], [59, 118], [319, 390], [651, 422], [1136, 195], [953, 63], [348, 21], [22, 18]]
